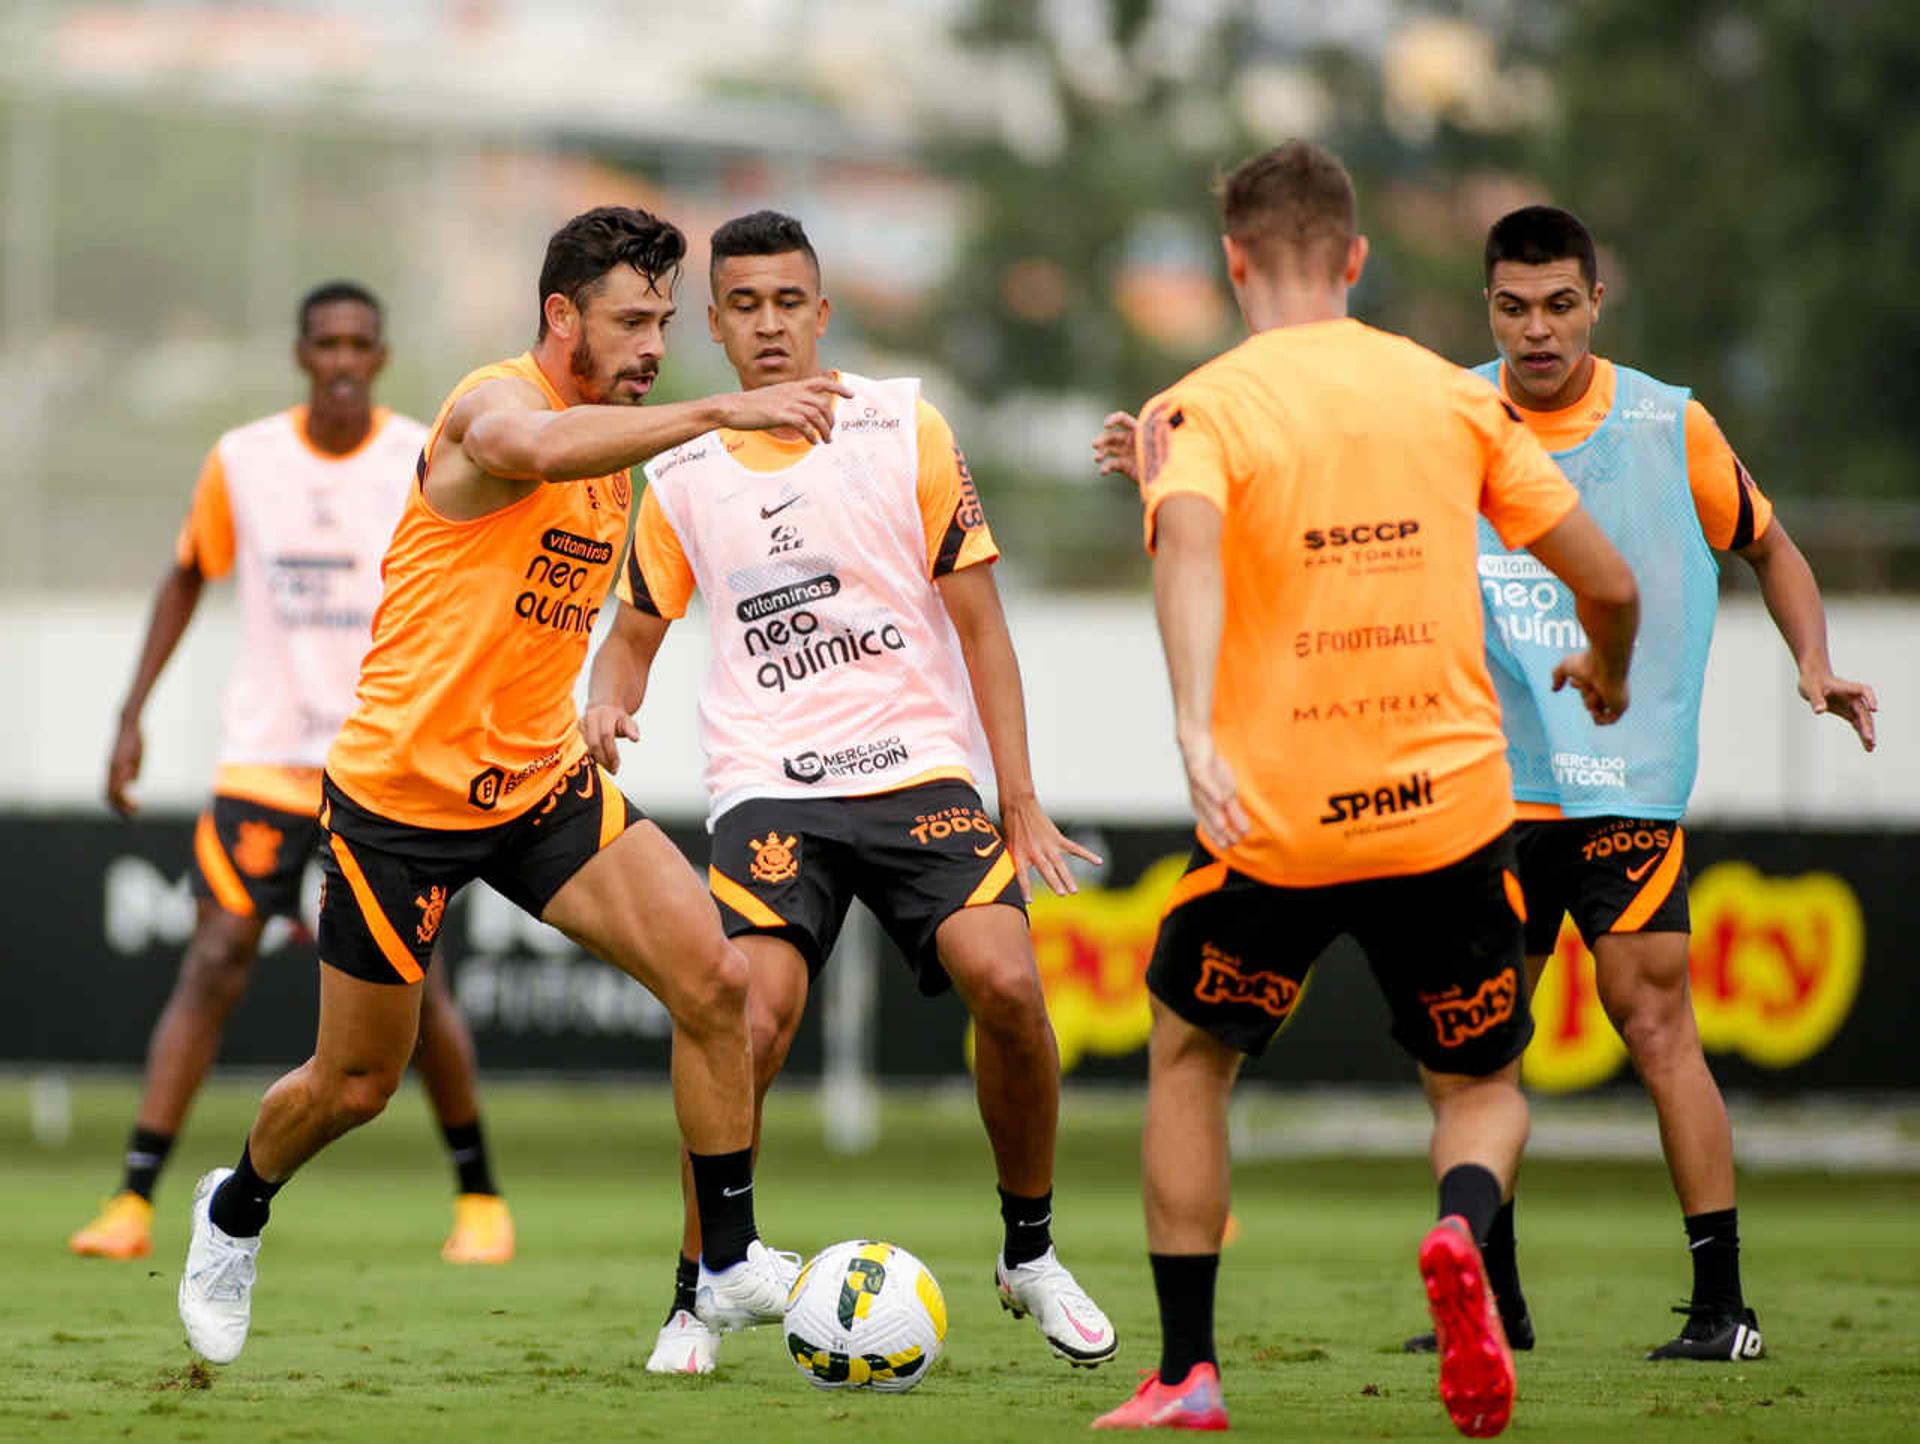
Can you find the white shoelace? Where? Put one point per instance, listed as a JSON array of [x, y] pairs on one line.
[[228, 1276]]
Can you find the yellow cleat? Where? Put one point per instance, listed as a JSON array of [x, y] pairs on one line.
[[123, 1229], [482, 1230]]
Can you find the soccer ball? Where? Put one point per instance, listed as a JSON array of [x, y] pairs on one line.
[[865, 1315]]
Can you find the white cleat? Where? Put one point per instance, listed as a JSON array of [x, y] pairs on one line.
[[753, 1291], [1071, 1322], [216, 1287], [684, 1346]]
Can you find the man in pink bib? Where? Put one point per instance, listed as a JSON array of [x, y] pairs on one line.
[[862, 679], [298, 507]]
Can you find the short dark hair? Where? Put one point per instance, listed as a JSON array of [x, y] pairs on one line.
[[1296, 198], [591, 244], [1535, 235], [327, 292], [763, 233]]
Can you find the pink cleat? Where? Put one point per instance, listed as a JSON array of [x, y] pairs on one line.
[[1194, 1403], [1476, 1366]]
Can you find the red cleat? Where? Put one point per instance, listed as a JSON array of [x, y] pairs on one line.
[[1476, 1366], [1194, 1404]]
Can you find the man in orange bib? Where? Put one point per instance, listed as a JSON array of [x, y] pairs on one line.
[[463, 760], [1312, 501], [298, 507], [861, 659]]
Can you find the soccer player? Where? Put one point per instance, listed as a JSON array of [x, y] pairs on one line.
[[462, 759], [299, 506], [1599, 833], [1310, 502], [859, 651]]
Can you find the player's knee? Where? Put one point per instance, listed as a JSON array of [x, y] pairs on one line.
[[215, 972], [1656, 1033], [1007, 1002], [361, 1097], [711, 997], [770, 1029]]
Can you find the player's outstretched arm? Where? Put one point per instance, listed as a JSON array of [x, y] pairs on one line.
[[1189, 598], [1793, 599], [1607, 600], [1117, 447], [173, 607], [618, 683], [972, 600], [517, 444]]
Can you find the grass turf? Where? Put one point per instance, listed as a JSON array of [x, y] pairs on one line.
[[361, 1333]]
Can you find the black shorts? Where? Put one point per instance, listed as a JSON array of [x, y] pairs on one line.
[[791, 867], [248, 858], [1233, 955], [388, 883], [1614, 874]]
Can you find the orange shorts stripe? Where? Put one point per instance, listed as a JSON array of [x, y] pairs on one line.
[[741, 901], [218, 869], [1647, 901], [994, 883], [613, 809], [391, 947], [1198, 883], [1516, 899]]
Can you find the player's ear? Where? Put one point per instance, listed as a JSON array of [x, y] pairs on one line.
[[1599, 294], [562, 315], [1356, 261], [824, 319], [713, 323], [1236, 260]]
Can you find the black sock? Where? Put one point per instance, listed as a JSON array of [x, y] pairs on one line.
[[146, 1155], [469, 1152], [1184, 1284], [1027, 1225], [1474, 1193], [1714, 1241], [723, 1192], [1503, 1264], [240, 1206], [686, 1279]]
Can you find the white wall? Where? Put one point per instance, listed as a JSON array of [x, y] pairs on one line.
[[1101, 733]]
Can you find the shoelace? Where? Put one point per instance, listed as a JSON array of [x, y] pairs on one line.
[[228, 1277], [1049, 1269]]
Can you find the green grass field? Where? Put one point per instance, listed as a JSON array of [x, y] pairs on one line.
[[362, 1334]]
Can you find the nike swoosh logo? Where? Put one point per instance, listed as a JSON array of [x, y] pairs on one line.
[[1091, 1336], [988, 850], [735, 1192], [767, 512], [1634, 874]]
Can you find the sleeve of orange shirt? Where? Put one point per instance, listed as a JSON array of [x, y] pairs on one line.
[[1734, 513], [1183, 451], [206, 537], [950, 511], [1524, 495], [657, 578]]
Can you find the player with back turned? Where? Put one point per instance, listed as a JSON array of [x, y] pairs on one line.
[[298, 507], [1312, 499], [462, 760], [859, 652], [1600, 833]]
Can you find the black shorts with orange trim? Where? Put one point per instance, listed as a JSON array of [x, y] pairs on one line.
[[248, 858], [791, 867], [1234, 954], [1614, 874], [388, 883]]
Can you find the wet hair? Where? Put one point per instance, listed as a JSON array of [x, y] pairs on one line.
[[1294, 200], [1537, 235], [327, 292], [591, 244], [763, 233]]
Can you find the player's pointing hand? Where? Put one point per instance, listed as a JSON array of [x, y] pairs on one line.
[[805, 406], [603, 725]]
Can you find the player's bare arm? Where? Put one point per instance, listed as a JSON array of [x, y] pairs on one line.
[[506, 441], [173, 607], [1116, 448], [973, 603], [1607, 600], [1793, 600], [618, 683], [1189, 599]]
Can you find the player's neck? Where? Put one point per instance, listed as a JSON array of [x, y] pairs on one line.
[[555, 360], [1271, 304], [338, 430], [1579, 381]]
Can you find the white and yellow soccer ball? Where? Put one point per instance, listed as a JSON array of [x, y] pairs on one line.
[[865, 1315]]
